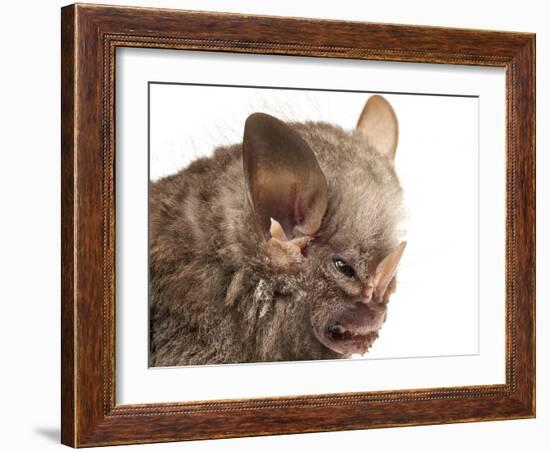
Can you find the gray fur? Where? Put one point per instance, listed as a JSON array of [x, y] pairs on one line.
[[215, 295]]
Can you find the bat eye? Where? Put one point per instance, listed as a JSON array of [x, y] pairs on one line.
[[343, 267]]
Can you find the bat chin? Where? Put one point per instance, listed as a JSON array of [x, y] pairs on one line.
[[347, 340]]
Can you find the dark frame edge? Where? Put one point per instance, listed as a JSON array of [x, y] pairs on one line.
[[524, 66], [68, 296]]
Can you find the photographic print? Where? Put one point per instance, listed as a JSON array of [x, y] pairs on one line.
[[278, 219]]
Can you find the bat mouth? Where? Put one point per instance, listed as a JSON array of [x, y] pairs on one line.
[[353, 330], [348, 340]]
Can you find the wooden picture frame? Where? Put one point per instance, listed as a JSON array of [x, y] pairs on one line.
[[90, 35]]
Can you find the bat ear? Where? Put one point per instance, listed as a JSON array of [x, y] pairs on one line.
[[386, 270], [283, 178], [378, 123]]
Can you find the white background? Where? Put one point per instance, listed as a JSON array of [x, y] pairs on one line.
[[30, 226], [437, 162]]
